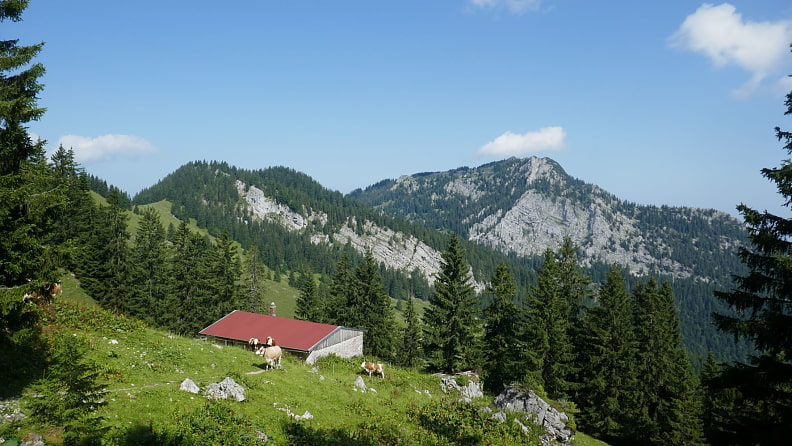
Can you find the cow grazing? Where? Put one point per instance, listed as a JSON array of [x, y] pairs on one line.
[[271, 353], [374, 367], [46, 293]]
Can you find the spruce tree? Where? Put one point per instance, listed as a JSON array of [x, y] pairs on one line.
[[187, 277], [409, 351], [451, 325], [340, 291], [253, 275], [609, 352], [309, 304], [28, 194], [762, 304], [549, 328], [148, 264], [372, 309], [504, 331], [669, 395], [223, 271]]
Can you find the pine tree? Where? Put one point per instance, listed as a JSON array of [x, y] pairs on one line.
[[504, 331], [609, 353], [410, 351], [253, 275], [372, 309], [309, 304], [187, 291], [148, 264], [574, 283], [451, 325], [71, 391], [28, 195], [106, 274], [669, 397], [549, 329], [762, 305], [340, 291], [223, 271]]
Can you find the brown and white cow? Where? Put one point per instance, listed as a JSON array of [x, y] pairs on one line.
[[46, 293], [271, 353], [374, 367]]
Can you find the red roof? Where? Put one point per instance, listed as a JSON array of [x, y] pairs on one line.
[[288, 333]]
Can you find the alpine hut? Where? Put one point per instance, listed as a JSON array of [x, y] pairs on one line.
[[307, 339]]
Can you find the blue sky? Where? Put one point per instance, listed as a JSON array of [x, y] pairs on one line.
[[663, 103]]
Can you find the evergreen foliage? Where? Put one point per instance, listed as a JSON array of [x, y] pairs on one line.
[[71, 392], [148, 261], [310, 306], [451, 324], [607, 361], [28, 194], [372, 310], [549, 327], [186, 294], [504, 329], [253, 274], [457, 201], [669, 404], [762, 386], [409, 349]]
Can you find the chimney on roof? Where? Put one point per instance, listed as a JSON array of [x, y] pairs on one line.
[[273, 311]]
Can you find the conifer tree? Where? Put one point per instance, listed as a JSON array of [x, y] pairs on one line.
[[718, 404], [71, 392], [410, 350], [574, 283], [451, 325], [253, 276], [148, 264], [223, 271], [309, 303], [549, 329], [28, 194], [110, 276], [609, 353], [504, 331], [371, 309], [340, 291], [187, 276], [669, 395], [762, 304]]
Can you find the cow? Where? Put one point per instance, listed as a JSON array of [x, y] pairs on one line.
[[254, 344], [374, 367], [46, 293], [271, 353]]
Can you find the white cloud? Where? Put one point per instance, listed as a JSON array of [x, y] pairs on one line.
[[513, 6], [106, 147], [721, 34], [512, 144]]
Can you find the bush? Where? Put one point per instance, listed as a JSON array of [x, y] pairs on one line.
[[70, 393], [213, 423]]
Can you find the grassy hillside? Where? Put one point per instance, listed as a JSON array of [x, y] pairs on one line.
[[144, 367]]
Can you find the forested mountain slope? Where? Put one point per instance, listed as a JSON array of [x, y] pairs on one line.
[[523, 206], [508, 211]]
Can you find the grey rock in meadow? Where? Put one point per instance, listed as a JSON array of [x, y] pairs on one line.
[[225, 389], [189, 386], [470, 390], [360, 384], [550, 419]]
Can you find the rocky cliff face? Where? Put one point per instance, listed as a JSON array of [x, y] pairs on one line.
[[396, 250], [524, 206]]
